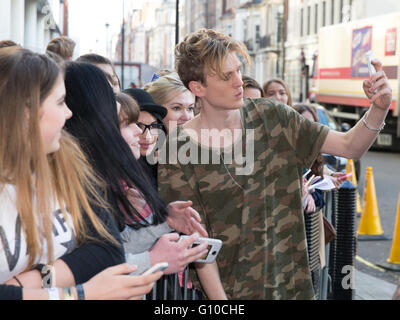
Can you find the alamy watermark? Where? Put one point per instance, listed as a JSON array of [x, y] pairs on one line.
[[348, 281], [240, 150], [48, 276]]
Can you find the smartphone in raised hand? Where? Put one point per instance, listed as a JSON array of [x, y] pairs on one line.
[[371, 68]]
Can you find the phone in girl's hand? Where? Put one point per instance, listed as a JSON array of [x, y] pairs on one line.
[[157, 267], [214, 246]]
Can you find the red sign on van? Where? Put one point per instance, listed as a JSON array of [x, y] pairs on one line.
[[390, 42]]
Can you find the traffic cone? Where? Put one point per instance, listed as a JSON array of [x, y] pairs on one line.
[[370, 227], [353, 179], [393, 263]]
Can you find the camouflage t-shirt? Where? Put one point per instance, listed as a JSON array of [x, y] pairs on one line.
[[258, 216]]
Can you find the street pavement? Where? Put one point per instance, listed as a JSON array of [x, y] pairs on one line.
[[370, 282], [386, 167], [371, 288]]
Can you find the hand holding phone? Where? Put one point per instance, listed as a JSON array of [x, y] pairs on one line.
[[214, 246], [157, 267], [371, 68]]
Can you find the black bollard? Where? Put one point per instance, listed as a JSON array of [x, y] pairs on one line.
[[345, 243]]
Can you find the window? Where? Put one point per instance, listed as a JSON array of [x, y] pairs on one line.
[[302, 22], [341, 11], [332, 11], [257, 33], [316, 18], [280, 30], [308, 20], [324, 13]]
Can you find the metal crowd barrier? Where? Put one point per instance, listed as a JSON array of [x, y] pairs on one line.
[[168, 288], [320, 276]]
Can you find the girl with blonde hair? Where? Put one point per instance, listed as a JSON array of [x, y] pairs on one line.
[[169, 91], [55, 231]]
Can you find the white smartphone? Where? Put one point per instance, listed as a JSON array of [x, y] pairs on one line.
[[371, 68], [157, 267], [214, 246]]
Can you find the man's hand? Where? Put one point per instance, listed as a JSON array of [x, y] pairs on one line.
[[377, 88]]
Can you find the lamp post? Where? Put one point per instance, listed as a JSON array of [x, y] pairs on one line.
[[177, 22], [123, 44], [304, 77], [107, 42], [62, 17]]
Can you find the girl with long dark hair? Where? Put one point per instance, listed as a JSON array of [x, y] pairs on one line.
[[96, 126]]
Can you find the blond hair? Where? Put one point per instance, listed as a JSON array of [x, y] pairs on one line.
[[205, 50], [164, 72], [26, 79], [165, 88]]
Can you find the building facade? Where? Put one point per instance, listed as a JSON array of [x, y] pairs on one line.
[[161, 37], [263, 35], [31, 23], [257, 23], [150, 31], [149, 34]]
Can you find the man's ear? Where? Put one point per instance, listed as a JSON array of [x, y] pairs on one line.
[[197, 88]]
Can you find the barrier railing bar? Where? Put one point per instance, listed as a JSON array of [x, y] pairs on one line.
[[154, 296], [165, 289], [175, 286], [185, 284]]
